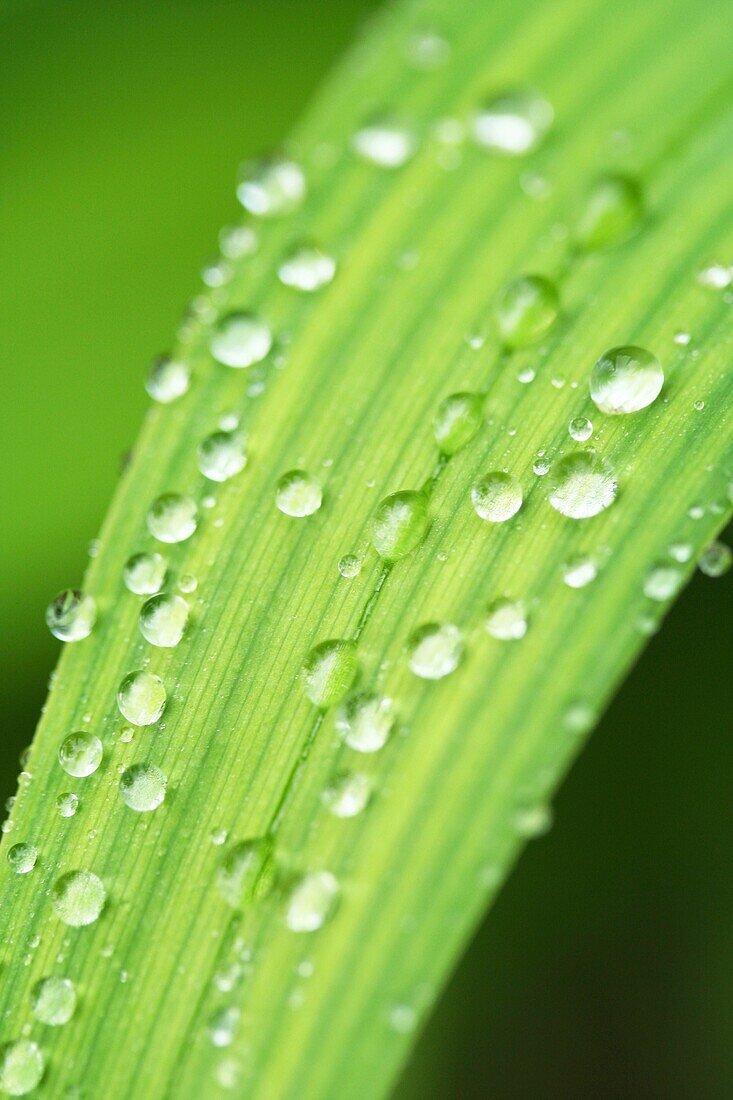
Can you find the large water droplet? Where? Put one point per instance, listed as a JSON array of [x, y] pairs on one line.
[[80, 754], [457, 420], [168, 379], [307, 268], [22, 858], [143, 787], [582, 485], [141, 698], [78, 898], [527, 308], [715, 560], [612, 212], [222, 455], [54, 1001], [497, 496], [662, 583], [387, 143], [507, 620], [365, 722], [163, 620], [514, 123], [241, 340], [349, 566], [246, 872], [144, 574], [435, 650], [348, 795], [329, 671], [400, 524], [21, 1067], [173, 518], [625, 380], [71, 616], [272, 187], [312, 902], [298, 494]]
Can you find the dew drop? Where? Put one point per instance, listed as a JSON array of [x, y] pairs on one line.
[[533, 821], [272, 187], [173, 518], [579, 571], [67, 804], [387, 143], [579, 717], [457, 420], [716, 559], [662, 583], [54, 1001], [400, 524], [143, 787], [527, 308], [168, 379], [612, 212], [582, 485], [144, 574], [312, 902], [223, 1025], [365, 722], [187, 583], [237, 241], [497, 497], [78, 898], [329, 672], [246, 872], [427, 50], [71, 616], [580, 429], [436, 650], [715, 276], [306, 268], [163, 620], [22, 858], [241, 340], [540, 466], [21, 1067], [348, 795], [507, 620], [514, 123], [680, 552], [80, 754], [402, 1019], [141, 698], [625, 380], [298, 494], [349, 566], [222, 455]]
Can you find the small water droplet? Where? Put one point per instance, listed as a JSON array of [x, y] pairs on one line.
[[141, 698], [580, 429], [682, 338], [579, 571], [402, 1019], [222, 455], [329, 671], [582, 485], [22, 858], [716, 559], [427, 50], [579, 717], [71, 616], [246, 872], [78, 898], [365, 722], [457, 420], [436, 650], [680, 551], [163, 620], [306, 268], [662, 583], [54, 1001], [527, 308], [237, 241], [143, 787], [187, 583], [514, 123], [349, 566], [173, 518], [348, 795], [400, 524], [533, 821], [21, 1067], [497, 496], [507, 619], [272, 187], [386, 142], [241, 340], [67, 804], [625, 380], [715, 276], [298, 494], [612, 212], [168, 379], [312, 902], [144, 574], [541, 465], [80, 754]]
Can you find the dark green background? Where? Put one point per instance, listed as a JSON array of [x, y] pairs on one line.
[[605, 968]]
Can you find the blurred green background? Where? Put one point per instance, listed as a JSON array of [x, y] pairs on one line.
[[605, 967]]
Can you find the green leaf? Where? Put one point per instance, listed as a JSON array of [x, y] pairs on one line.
[[282, 920]]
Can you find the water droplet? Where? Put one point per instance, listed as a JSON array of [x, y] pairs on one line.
[[625, 380], [580, 429], [141, 698], [67, 804], [365, 722], [497, 496], [54, 1001], [427, 50], [682, 338], [237, 241], [716, 559], [71, 616], [222, 1026], [163, 620], [329, 671], [533, 821], [246, 872], [715, 276], [78, 898], [507, 620], [312, 902], [298, 494], [349, 566], [22, 858], [457, 420], [144, 574], [173, 518], [436, 650], [187, 583], [402, 1019], [400, 524], [541, 465], [579, 571], [527, 308], [680, 551], [80, 754], [21, 1067], [662, 583], [221, 455], [143, 787], [307, 268], [348, 795], [612, 212], [272, 187], [579, 717], [387, 143], [241, 340], [168, 379], [514, 123], [582, 485]]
